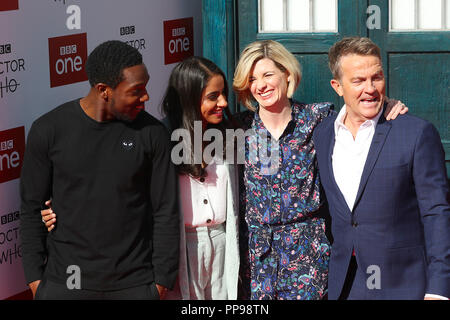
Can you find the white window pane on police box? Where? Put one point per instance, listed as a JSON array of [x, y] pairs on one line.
[[298, 15], [271, 15], [430, 14], [402, 15], [324, 15], [447, 5]]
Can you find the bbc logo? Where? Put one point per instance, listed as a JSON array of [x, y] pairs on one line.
[[176, 32], [5, 48], [127, 30], [7, 145], [65, 50], [10, 217]]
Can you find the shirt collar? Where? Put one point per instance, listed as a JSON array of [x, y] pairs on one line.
[[339, 122], [295, 110]]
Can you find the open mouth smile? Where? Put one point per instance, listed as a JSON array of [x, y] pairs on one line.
[[266, 94], [370, 101]]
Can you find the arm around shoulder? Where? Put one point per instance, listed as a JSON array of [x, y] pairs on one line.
[[323, 109]]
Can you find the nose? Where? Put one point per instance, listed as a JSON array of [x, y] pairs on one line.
[[369, 87], [260, 84], [145, 97], [222, 101]]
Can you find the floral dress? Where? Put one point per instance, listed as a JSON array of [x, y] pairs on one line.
[[288, 251]]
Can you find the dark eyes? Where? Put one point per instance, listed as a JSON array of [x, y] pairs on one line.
[[138, 91], [213, 96]]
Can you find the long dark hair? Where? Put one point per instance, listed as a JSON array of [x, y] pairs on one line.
[[182, 101]]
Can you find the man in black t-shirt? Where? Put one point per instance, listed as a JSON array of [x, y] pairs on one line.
[[105, 163]]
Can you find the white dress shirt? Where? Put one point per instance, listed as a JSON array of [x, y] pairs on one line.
[[204, 201], [349, 155]]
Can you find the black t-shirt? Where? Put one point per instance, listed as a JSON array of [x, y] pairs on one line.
[[113, 189]]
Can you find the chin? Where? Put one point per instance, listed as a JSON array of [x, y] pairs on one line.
[[128, 118], [216, 121], [371, 115]]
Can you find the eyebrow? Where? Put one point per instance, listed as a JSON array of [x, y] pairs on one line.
[[269, 71], [213, 93], [379, 73], [137, 86]]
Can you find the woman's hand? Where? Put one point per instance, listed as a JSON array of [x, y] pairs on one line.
[[48, 216], [394, 108]]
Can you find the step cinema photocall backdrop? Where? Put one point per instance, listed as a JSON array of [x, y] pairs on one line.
[[43, 49]]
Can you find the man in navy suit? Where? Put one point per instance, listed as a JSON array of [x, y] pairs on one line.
[[386, 187]]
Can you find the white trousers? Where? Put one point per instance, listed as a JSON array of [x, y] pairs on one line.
[[206, 261]]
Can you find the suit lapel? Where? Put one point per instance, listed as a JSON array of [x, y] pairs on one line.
[[330, 138], [379, 138]]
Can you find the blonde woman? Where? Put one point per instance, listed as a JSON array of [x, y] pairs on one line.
[[288, 250]]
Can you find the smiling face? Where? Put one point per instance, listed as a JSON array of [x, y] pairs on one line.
[[269, 85], [362, 85], [129, 97], [213, 101]]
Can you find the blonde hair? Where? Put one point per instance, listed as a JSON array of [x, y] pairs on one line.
[[256, 51]]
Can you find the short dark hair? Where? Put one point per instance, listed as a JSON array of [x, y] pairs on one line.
[[350, 45], [107, 61]]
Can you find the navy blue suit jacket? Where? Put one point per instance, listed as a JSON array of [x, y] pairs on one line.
[[401, 218]]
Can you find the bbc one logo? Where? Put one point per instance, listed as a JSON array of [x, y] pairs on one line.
[[67, 57], [12, 148], [178, 40], [7, 5]]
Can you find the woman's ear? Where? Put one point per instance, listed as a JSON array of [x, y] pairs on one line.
[[288, 76]]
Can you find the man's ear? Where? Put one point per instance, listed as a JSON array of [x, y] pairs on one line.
[[337, 87], [102, 90]]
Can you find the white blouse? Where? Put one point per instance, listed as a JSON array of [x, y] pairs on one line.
[[204, 201]]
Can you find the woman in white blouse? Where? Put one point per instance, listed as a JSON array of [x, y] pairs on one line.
[[195, 102]]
